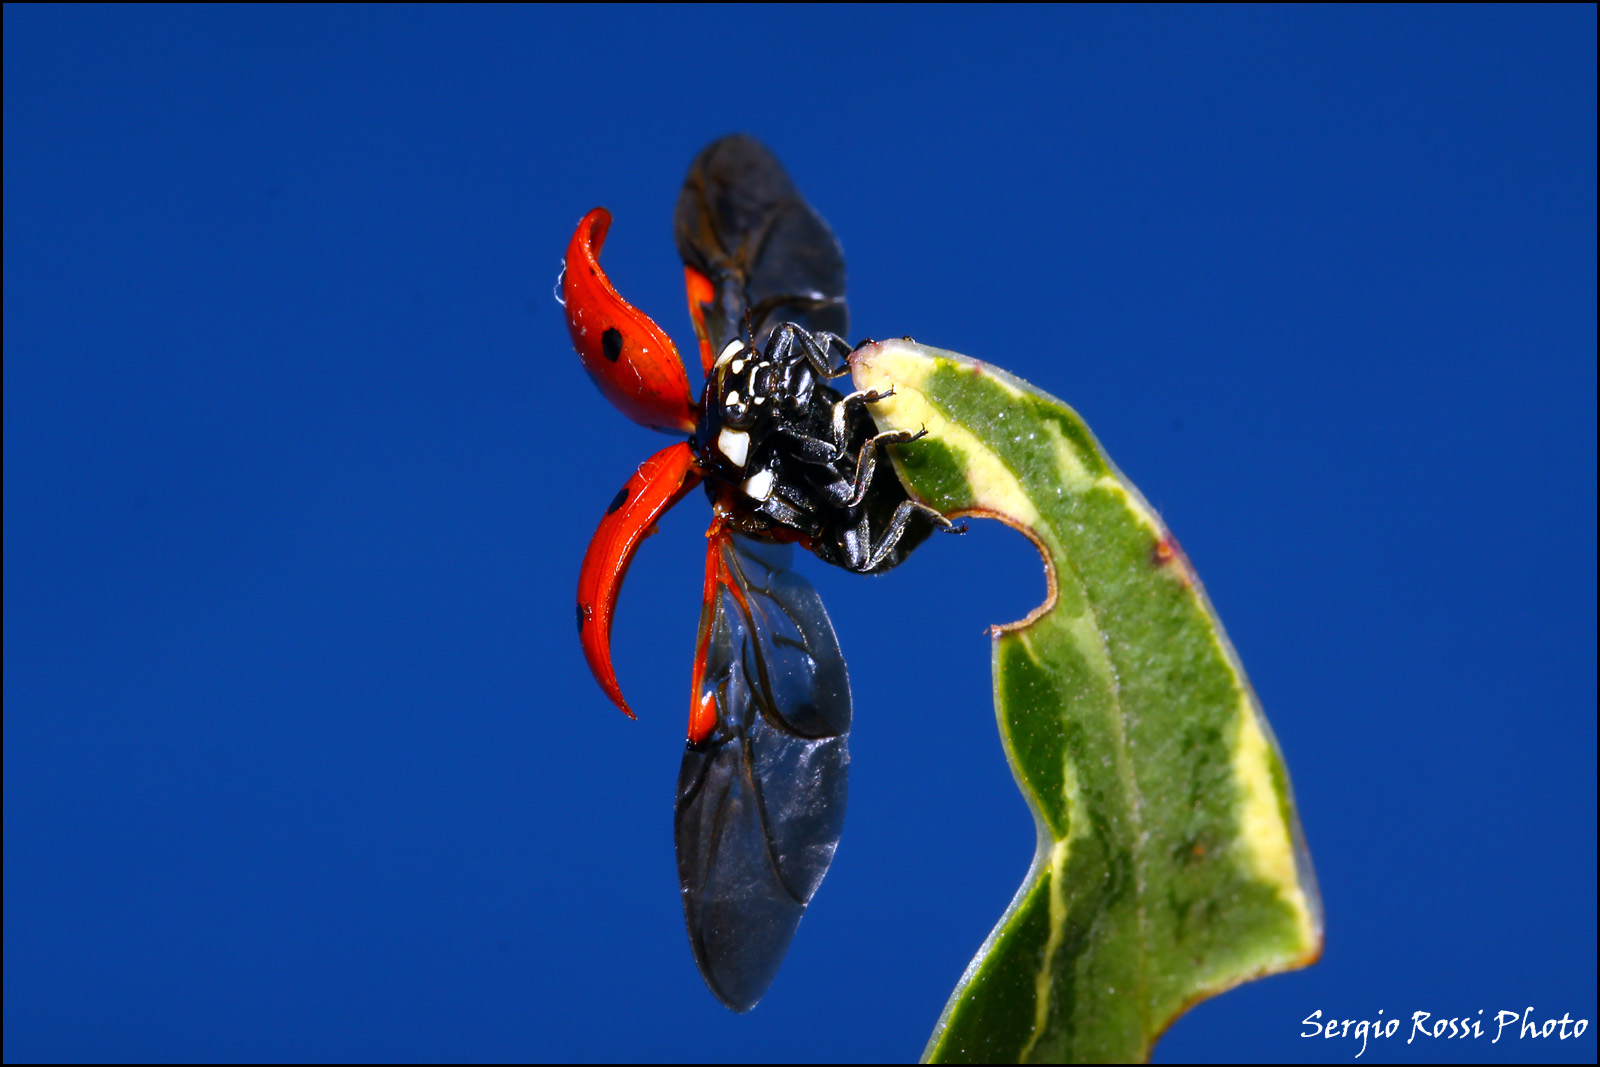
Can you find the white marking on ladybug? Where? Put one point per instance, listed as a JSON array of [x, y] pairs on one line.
[[759, 400], [759, 485], [735, 444], [736, 366], [733, 399], [729, 350]]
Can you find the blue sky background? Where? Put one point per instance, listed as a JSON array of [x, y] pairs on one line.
[[301, 757]]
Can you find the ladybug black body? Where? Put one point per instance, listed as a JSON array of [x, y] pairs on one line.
[[787, 459], [798, 460]]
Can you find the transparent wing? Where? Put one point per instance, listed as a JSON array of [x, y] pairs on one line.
[[761, 793], [741, 224]]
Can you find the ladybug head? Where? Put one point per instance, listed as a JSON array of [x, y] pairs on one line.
[[739, 387]]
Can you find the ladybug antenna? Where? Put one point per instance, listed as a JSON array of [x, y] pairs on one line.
[[749, 329]]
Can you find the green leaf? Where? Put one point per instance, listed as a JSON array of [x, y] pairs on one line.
[[1170, 864]]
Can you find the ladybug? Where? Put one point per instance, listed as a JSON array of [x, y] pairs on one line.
[[785, 458]]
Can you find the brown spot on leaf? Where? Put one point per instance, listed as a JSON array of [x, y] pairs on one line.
[[1167, 553]]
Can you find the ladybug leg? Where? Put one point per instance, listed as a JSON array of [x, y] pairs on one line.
[[940, 522], [815, 347], [820, 345], [786, 513], [781, 343], [841, 416], [897, 529], [867, 461], [855, 546], [859, 552], [816, 450], [810, 449], [891, 536]]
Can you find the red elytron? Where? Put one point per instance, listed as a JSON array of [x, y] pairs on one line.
[[785, 459]]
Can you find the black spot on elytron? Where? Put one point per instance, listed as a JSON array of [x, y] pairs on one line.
[[618, 500], [611, 343], [580, 618]]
